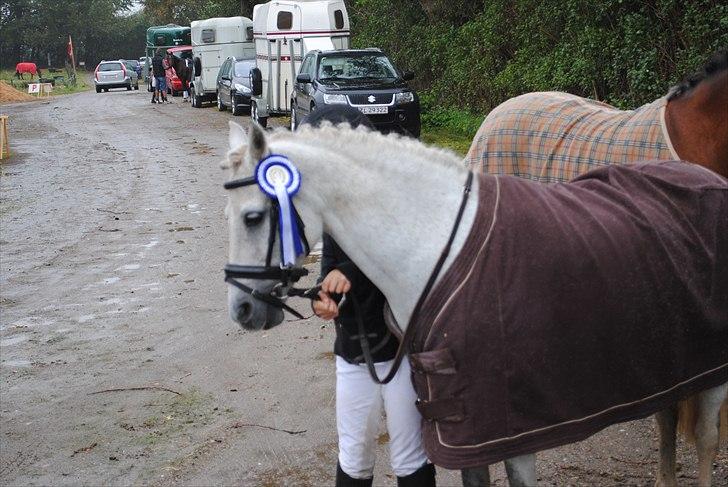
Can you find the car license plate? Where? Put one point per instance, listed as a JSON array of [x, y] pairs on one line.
[[374, 110]]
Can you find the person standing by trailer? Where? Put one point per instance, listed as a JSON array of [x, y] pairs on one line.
[[359, 400], [158, 72]]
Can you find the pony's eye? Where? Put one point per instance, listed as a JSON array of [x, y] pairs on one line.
[[253, 218]]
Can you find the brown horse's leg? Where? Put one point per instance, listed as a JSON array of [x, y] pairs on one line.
[[707, 431], [667, 425]]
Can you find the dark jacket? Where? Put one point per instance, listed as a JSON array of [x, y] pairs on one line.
[[157, 66], [383, 344]]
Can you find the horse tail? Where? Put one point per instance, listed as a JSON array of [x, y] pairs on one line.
[[688, 411]]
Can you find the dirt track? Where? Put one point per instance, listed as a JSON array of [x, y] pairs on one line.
[[113, 240]]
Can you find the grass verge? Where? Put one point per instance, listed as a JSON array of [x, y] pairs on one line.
[[447, 138], [61, 86], [451, 128]]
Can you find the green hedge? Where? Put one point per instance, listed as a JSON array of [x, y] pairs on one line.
[[470, 56]]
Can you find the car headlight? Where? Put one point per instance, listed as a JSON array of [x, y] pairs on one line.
[[331, 99], [242, 88], [405, 97]]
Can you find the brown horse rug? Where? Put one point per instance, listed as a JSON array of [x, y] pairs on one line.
[[573, 306]]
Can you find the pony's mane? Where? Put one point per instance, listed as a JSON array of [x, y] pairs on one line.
[[330, 136], [717, 63]]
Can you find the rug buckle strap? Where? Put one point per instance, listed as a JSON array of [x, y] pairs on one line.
[[447, 410]]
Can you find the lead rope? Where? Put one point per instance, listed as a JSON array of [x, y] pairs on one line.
[[409, 332]]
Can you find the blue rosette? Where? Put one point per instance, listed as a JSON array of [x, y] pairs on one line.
[[279, 179]]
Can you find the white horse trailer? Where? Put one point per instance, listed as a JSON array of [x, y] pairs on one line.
[[213, 41], [285, 31]]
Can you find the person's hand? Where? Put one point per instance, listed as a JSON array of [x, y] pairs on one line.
[[325, 308], [335, 282]]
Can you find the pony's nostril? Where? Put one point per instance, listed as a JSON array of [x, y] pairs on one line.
[[246, 309]]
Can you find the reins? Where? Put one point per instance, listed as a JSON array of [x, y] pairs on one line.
[[409, 332], [285, 275]]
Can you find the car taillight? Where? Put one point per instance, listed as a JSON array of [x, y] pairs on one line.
[[123, 69], [96, 73]]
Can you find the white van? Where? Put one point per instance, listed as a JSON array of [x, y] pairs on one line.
[[285, 31], [213, 41]]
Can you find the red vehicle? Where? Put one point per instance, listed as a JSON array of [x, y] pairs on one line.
[[178, 69]]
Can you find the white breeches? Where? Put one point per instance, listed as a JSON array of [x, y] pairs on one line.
[[359, 402]]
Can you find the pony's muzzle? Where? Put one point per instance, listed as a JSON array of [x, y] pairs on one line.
[[252, 313]]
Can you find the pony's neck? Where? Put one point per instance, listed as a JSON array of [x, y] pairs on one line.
[[697, 123], [390, 203]]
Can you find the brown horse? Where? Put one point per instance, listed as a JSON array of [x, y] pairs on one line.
[[553, 137], [557, 136]]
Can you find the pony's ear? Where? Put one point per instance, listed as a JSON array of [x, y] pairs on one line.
[[237, 136], [257, 144]]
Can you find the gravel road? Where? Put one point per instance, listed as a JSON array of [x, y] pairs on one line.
[[118, 363]]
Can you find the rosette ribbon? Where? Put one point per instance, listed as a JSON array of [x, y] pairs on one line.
[[279, 179]]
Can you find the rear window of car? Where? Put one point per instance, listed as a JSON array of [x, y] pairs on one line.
[[242, 68], [110, 67]]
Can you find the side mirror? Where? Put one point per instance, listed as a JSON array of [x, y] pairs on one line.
[[303, 78], [408, 75]]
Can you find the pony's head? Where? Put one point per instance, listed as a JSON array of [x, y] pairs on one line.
[[253, 241]]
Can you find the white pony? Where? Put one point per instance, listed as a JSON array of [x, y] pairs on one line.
[[389, 202]]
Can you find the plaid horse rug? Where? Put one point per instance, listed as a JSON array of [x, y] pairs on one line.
[[554, 136], [574, 306]]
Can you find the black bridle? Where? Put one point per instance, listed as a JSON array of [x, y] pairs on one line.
[[285, 275]]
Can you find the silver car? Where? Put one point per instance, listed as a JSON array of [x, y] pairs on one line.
[[115, 74]]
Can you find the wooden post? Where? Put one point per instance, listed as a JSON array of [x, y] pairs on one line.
[[4, 143]]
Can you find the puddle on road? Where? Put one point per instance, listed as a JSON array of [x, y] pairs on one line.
[[13, 340], [111, 280], [85, 318], [151, 244], [128, 267], [15, 363], [28, 322]]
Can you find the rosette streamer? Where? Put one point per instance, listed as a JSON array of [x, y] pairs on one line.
[[280, 180]]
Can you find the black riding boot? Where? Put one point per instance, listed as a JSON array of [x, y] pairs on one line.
[[343, 480], [422, 477]]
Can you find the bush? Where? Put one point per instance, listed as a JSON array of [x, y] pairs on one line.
[[468, 60]]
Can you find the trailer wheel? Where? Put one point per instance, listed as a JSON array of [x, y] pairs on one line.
[[262, 121], [196, 101]]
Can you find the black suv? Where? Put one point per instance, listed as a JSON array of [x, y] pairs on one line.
[[363, 78]]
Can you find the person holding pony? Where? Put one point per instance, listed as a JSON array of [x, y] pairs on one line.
[[359, 400]]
